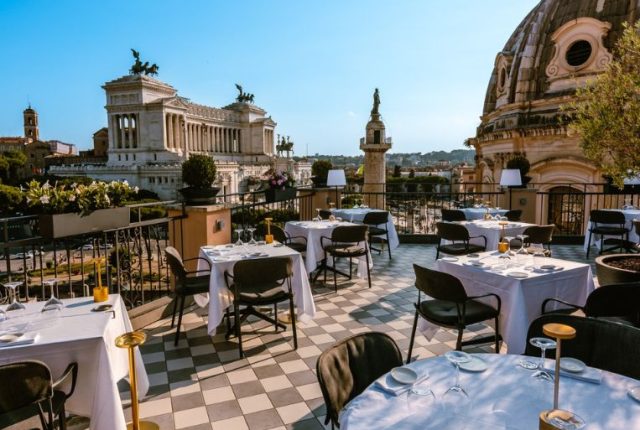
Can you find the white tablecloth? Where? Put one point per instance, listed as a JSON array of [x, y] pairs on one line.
[[87, 338], [220, 297], [357, 215], [629, 215], [313, 231], [493, 231], [521, 298], [478, 213], [505, 396]]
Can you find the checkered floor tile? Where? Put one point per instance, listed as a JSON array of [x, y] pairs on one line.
[[201, 383]]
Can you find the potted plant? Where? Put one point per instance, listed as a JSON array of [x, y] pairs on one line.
[[78, 209], [320, 171], [199, 173], [281, 187], [618, 268], [253, 183]]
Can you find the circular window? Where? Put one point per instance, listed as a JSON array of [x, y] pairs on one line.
[[578, 53]]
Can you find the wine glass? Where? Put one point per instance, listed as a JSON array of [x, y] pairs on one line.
[[3, 315], [53, 300], [239, 242], [51, 311], [508, 239], [15, 304], [538, 259], [522, 254], [421, 396], [457, 358], [252, 241], [543, 343], [318, 217]]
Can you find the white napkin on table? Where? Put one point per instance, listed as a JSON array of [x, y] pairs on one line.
[[589, 374], [391, 386]]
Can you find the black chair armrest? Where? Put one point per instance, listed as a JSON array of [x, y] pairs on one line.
[[70, 371], [483, 238], [322, 239], [570, 305], [197, 271], [198, 258], [228, 277], [497, 297], [290, 238]]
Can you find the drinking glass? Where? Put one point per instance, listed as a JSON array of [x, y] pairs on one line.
[[543, 343], [457, 358], [3, 315], [51, 312], [522, 254], [252, 241], [53, 300], [420, 396], [239, 242], [318, 217], [508, 239], [538, 259], [15, 305]]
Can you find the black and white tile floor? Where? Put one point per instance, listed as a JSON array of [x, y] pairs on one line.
[[201, 383]]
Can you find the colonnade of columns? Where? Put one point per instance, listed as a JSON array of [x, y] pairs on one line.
[[126, 130], [206, 138]]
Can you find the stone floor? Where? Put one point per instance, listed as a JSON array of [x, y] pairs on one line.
[[201, 383]]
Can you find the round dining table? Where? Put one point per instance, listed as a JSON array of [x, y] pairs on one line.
[[504, 396]]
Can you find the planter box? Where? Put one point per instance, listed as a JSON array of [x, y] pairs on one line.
[[273, 195], [608, 275], [71, 224]]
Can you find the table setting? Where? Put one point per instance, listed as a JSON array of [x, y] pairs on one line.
[[82, 331], [479, 212], [357, 214], [223, 257], [493, 391], [494, 230], [522, 281]]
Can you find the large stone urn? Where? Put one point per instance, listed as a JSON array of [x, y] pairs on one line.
[[618, 268]]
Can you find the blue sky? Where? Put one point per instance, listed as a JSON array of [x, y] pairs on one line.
[[312, 65]]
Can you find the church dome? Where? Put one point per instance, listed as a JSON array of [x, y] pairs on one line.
[[558, 46]]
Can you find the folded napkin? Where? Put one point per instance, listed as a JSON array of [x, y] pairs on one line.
[[393, 387], [25, 339], [589, 374]]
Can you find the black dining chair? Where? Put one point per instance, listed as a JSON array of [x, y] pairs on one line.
[[325, 213], [297, 243], [378, 231], [187, 283], [608, 223], [459, 237], [614, 302], [347, 368], [453, 215], [538, 234], [27, 389], [347, 241], [598, 343], [449, 306], [261, 282], [514, 214]]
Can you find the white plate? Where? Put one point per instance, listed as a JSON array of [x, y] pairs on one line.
[[475, 365], [518, 275], [449, 259], [10, 337], [474, 263], [634, 393], [404, 375], [572, 365], [548, 267]]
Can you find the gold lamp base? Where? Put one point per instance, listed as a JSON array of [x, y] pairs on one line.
[[548, 419], [144, 425]]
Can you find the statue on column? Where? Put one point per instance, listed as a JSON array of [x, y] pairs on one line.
[[376, 102]]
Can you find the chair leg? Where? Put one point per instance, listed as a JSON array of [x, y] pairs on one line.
[[497, 330], [175, 308], [325, 269], [413, 336], [62, 419], [335, 280], [350, 266], [236, 310], [175, 342], [437, 252], [275, 316], [368, 269], [589, 245], [459, 341], [388, 245], [293, 323]]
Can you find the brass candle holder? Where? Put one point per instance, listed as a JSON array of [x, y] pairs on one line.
[[130, 341], [549, 419], [268, 238]]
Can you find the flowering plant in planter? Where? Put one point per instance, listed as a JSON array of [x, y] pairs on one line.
[[280, 180], [83, 199]]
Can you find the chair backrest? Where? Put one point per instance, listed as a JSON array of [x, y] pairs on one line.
[[450, 231], [30, 383], [278, 233], [615, 300], [325, 213], [607, 217], [350, 233], [261, 272], [175, 263], [514, 214], [453, 215], [636, 226], [539, 233], [439, 285], [351, 365], [376, 218], [599, 343]]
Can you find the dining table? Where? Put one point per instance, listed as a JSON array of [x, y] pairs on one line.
[[521, 286], [493, 230], [501, 395], [479, 213], [356, 215], [79, 334], [222, 258], [313, 231], [629, 215]]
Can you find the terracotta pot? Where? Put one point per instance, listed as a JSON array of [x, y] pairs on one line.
[[608, 275], [72, 224]]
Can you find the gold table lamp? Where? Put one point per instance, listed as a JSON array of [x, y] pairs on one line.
[[130, 341]]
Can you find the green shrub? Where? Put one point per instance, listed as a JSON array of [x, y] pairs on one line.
[[199, 171], [320, 170], [10, 199]]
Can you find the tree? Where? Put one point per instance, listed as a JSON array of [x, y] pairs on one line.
[[11, 165], [412, 173], [606, 114]]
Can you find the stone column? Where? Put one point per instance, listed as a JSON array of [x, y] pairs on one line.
[[122, 137]]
